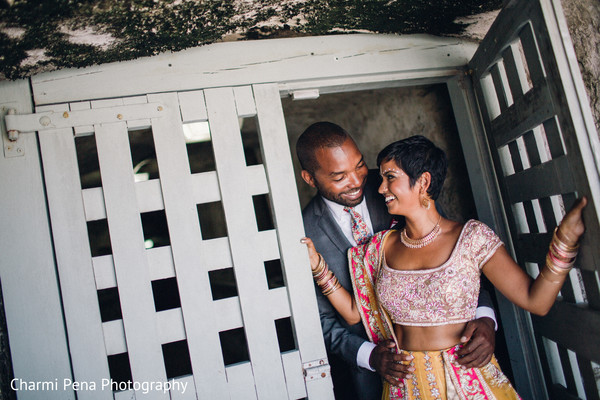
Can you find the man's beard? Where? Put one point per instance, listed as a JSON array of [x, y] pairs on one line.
[[337, 198]]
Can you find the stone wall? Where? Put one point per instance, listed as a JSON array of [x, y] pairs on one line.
[[583, 19], [375, 118]]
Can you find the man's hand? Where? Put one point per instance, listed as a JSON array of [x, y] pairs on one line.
[[391, 366], [480, 338]]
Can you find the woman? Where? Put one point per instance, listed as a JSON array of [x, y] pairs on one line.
[[422, 292]]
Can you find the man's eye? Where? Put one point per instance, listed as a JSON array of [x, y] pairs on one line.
[[338, 179]]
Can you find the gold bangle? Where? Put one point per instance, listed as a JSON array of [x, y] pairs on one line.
[[561, 244], [334, 285]]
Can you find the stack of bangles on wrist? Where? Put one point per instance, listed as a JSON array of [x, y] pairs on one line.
[[560, 258], [325, 278]]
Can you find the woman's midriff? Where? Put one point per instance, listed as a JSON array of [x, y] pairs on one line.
[[423, 338]]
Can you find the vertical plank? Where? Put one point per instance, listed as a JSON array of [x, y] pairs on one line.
[[73, 257], [131, 265], [288, 220], [249, 268], [32, 304], [241, 381], [190, 255]]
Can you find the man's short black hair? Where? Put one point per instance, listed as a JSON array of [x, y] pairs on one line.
[[318, 135], [415, 155]]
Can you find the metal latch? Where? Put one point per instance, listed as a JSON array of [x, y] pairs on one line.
[[41, 121], [317, 369]]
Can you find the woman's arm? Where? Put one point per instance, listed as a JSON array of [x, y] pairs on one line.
[[339, 297], [537, 296]]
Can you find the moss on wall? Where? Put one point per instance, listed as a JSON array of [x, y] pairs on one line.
[[42, 35]]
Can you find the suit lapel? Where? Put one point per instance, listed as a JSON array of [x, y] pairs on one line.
[[331, 228]]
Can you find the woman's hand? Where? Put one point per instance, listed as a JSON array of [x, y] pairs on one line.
[[312, 252], [571, 228]]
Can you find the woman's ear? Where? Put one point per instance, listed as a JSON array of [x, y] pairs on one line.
[[425, 181]]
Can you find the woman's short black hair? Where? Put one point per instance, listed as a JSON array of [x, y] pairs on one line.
[[415, 155]]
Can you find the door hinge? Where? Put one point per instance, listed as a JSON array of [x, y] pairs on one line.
[[317, 369]]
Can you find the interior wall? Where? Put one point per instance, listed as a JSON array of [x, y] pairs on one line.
[[375, 118]]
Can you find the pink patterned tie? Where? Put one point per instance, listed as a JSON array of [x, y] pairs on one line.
[[360, 231]]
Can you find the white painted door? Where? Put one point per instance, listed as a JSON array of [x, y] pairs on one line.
[[219, 304], [546, 154]]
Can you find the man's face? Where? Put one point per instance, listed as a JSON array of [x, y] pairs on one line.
[[341, 175]]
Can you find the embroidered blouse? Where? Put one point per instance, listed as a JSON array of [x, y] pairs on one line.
[[443, 295]]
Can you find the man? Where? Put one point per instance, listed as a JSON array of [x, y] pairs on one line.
[[333, 164]]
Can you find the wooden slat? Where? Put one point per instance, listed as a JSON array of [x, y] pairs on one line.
[[574, 320], [554, 138], [35, 330], [559, 392], [288, 220], [104, 272], [533, 247], [592, 288], [501, 86], [589, 380], [515, 71], [143, 123], [241, 382], [218, 252], [183, 388], [93, 202], [84, 129], [192, 106], [230, 314], [190, 255], [524, 114], [205, 188], [532, 55], [292, 366], [114, 337], [244, 101], [124, 395], [73, 256], [131, 265], [170, 325], [248, 267], [160, 263], [544, 180]]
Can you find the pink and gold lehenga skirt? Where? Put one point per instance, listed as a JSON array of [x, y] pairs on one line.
[[437, 376]]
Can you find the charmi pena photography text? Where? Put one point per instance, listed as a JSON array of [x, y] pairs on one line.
[[18, 384]]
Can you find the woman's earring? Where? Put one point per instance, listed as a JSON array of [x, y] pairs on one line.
[[425, 202]]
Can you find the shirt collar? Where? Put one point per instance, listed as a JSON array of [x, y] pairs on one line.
[[338, 209]]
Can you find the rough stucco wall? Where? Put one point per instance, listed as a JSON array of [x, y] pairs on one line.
[[583, 19], [375, 118]]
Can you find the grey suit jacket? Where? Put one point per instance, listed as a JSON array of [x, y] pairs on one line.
[[342, 340]]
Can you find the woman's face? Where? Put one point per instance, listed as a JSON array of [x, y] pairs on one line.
[[400, 198]]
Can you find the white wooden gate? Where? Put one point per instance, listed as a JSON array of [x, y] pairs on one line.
[[135, 345], [545, 150]]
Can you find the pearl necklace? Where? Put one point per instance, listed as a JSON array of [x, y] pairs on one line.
[[425, 240]]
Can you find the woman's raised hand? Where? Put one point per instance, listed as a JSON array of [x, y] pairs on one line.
[[312, 252], [571, 228]]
